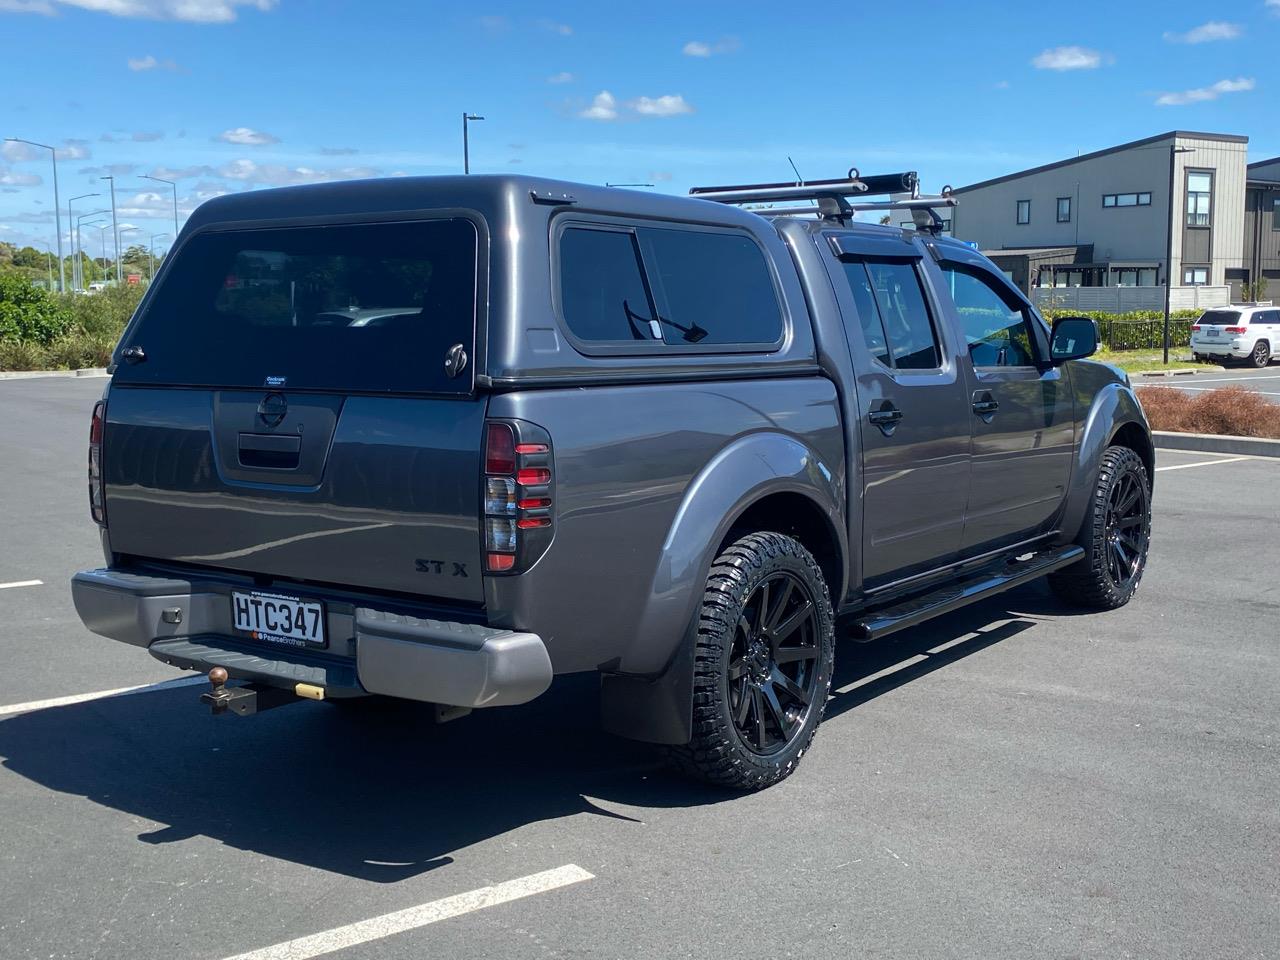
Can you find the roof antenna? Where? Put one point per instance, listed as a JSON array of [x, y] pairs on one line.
[[799, 179]]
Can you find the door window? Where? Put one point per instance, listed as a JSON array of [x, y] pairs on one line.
[[893, 314], [997, 331]]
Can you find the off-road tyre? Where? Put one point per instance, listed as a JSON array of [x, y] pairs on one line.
[[729, 660], [1092, 581]]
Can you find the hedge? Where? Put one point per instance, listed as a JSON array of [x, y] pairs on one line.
[[1137, 329]]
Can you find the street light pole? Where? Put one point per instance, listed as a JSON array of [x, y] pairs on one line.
[[152, 248], [1174, 150], [102, 238], [115, 229], [466, 144], [175, 199], [79, 226], [57, 206], [77, 281]]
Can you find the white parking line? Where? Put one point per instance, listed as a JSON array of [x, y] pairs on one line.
[[15, 708], [1206, 463], [1261, 393], [354, 934], [1244, 379], [21, 583]]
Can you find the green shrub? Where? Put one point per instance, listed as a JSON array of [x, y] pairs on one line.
[[1137, 329], [105, 313], [19, 355], [79, 350], [29, 314]]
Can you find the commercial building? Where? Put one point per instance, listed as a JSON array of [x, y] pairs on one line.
[[1110, 219]]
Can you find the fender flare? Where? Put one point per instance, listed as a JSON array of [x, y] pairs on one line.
[[648, 693], [1114, 407]]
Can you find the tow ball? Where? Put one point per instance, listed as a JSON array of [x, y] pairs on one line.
[[253, 697]]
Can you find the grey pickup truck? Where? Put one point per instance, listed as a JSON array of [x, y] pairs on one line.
[[442, 439]]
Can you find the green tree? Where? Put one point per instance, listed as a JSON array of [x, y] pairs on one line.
[[29, 314]]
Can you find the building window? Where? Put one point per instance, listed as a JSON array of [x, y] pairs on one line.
[[1134, 276], [1195, 276], [1126, 199], [1199, 196], [1064, 209], [1275, 214], [1024, 211]]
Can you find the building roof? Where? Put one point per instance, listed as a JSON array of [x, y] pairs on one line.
[[1066, 249], [1185, 134]]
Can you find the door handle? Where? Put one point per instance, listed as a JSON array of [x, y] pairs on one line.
[[886, 418], [984, 404]]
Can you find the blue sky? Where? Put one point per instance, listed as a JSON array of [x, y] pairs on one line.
[[227, 95]]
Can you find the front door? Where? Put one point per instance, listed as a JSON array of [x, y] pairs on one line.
[[914, 419], [1021, 411]]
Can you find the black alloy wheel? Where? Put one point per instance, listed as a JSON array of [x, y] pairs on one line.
[[772, 676], [1126, 529]]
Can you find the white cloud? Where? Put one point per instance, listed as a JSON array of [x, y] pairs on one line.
[[16, 152], [140, 64], [670, 105], [74, 150], [564, 76], [247, 137], [1201, 94], [700, 48], [603, 107], [182, 173], [561, 28], [1068, 58], [190, 11], [1206, 32], [278, 175], [147, 136], [1274, 6], [10, 179], [659, 176]]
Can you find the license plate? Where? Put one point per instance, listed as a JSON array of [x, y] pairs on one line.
[[277, 619], [1212, 332]]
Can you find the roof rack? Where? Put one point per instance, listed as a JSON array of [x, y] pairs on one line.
[[832, 196]]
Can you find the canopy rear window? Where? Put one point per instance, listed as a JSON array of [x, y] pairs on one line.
[[359, 307], [1222, 317]]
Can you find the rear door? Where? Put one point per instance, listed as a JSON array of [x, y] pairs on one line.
[[914, 417], [1021, 409], [300, 405]]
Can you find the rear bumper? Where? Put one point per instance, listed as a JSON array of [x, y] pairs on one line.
[[188, 624], [1221, 349]]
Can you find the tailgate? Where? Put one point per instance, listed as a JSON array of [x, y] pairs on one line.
[[298, 402]]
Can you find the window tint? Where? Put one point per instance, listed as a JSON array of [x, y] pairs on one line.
[[677, 286], [1266, 316], [868, 313], [368, 307], [899, 301], [710, 287], [602, 291], [1221, 317], [998, 334]]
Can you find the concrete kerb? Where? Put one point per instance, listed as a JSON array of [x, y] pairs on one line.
[[32, 374], [1211, 443]]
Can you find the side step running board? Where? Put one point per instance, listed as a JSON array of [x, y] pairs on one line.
[[909, 613]]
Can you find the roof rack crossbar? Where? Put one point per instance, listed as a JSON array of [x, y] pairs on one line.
[[830, 195]]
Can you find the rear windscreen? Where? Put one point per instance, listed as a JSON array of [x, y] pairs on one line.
[[1224, 317], [362, 307]]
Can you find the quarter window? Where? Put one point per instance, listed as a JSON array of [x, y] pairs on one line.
[[1024, 211], [669, 286], [1064, 209], [997, 330], [1199, 198], [893, 315]]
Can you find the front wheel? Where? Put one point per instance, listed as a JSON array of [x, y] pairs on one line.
[[762, 664], [1115, 536]]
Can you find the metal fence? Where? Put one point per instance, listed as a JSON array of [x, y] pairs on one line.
[[1126, 299]]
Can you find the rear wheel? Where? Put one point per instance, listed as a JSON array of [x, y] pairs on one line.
[[762, 666], [1115, 536], [1261, 355]]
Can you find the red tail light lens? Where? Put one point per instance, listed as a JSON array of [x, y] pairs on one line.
[[1195, 326], [97, 501], [1236, 329], [500, 449], [517, 495]]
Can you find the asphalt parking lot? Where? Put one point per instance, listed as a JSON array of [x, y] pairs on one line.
[[1012, 781], [1265, 381]]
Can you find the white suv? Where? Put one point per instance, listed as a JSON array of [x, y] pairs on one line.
[[1237, 333]]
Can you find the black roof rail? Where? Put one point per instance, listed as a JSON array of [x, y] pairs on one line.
[[832, 197]]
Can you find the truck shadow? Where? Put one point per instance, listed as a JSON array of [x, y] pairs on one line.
[[386, 794]]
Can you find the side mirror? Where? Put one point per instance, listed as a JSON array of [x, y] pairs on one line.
[[1073, 338]]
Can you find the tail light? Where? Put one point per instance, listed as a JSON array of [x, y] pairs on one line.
[[517, 495], [1236, 329], [97, 503], [1195, 326]]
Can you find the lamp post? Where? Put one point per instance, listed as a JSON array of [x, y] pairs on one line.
[[102, 239], [151, 247], [80, 223], [57, 206], [1174, 150], [77, 281], [115, 229], [466, 143], [125, 230], [174, 186]]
